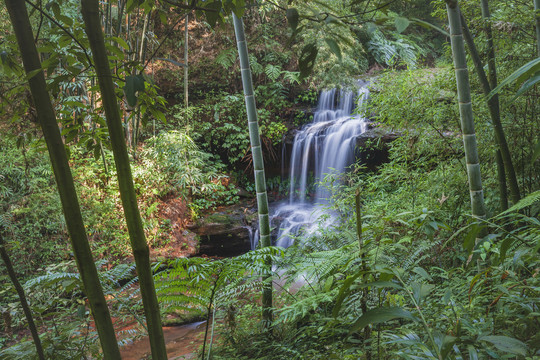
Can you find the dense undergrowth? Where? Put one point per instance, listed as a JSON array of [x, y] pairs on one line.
[[414, 283]]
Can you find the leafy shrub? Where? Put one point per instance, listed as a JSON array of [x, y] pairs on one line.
[[189, 170]]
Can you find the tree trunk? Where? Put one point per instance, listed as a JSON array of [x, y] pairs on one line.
[[90, 12], [465, 110], [64, 180], [22, 298], [256, 151]]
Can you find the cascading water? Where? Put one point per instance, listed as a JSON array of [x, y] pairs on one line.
[[325, 146]]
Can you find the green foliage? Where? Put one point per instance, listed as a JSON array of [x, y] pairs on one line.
[[190, 171], [58, 295], [219, 125]]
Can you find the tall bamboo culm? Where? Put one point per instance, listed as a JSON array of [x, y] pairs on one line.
[[186, 68], [90, 12], [465, 110], [537, 19], [256, 152], [64, 180]]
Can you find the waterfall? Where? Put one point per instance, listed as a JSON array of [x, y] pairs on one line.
[[325, 146]]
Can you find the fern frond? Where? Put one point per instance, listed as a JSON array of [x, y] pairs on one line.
[[531, 199]]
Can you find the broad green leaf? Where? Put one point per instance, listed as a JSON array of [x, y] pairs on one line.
[[401, 24], [381, 284], [506, 344], [423, 273], [334, 47], [239, 7], [32, 73], [470, 238], [380, 315], [134, 83], [306, 61], [213, 13], [518, 76], [427, 25], [536, 152], [292, 18], [121, 42], [163, 17], [527, 85], [420, 291], [344, 292]]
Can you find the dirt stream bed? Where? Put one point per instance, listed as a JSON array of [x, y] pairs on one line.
[[182, 342]]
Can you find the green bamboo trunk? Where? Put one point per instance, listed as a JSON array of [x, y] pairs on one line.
[[465, 110], [537, 20], [256, 151], [494, 108], [64, 180], [186, 69], [90, 12]]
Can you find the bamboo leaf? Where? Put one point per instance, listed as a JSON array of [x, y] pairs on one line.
[[32, 73]]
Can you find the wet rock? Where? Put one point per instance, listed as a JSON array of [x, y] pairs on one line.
[[372, 146], [225, 233]]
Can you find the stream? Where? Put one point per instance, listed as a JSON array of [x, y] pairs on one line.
[[182, 342]]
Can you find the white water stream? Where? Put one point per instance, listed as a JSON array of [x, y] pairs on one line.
[[325, 146]]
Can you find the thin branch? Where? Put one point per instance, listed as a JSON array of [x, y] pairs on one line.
[[169, 33]]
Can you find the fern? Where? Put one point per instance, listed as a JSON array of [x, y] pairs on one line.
[[303, 307], [226, 58], [530, 200], [272, 71]]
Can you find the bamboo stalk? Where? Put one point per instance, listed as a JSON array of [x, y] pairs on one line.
[[494, 110], [258, 163], [186, 69], [537, 21], [90, 12], [64, 180], [465, 110]]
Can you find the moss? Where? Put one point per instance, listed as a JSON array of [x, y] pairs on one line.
[[217, 219]]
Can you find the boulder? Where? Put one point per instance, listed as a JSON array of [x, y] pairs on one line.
[[372, 146], [225, 233]]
